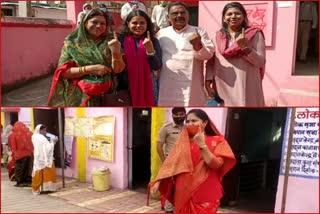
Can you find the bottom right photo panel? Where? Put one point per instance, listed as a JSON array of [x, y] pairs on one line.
[[273, 165]]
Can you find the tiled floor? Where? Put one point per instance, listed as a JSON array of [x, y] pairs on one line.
[[75, 197]]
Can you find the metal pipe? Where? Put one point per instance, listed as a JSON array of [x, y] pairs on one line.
[[61, 145], [288, 159]]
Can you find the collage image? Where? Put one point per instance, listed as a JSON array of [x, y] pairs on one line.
[[193, 107]]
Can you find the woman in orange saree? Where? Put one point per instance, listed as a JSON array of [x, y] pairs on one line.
[[191, 176]]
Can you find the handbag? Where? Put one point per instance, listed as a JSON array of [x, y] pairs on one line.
[[120, 97]]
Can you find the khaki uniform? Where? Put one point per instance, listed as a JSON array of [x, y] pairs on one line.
[[168, 135]]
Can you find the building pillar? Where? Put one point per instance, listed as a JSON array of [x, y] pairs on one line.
[[81, 151], [73, 9], [24, 9]]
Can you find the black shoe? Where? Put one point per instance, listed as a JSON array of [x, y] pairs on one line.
[[27, 184], [19, 185]]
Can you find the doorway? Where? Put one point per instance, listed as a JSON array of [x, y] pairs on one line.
[[307, 55], [13, 117], [255, 136], [139, 148], [49, 118]]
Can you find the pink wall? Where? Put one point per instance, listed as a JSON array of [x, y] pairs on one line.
[[280, 55], [302, 195], [24, 116], [30, 47], [118, 168]]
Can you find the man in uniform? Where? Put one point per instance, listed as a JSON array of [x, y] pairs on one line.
[[168, 136]]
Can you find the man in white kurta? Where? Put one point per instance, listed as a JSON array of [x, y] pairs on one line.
[[184, 49], [159, 16]]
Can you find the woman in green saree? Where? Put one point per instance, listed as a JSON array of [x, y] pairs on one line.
[[87, 63]]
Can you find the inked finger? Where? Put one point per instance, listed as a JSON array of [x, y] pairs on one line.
[[148, 35], [115, 35]]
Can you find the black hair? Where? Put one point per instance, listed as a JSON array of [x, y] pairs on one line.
[[97, 12], [244, 13], [172, 4], [175, 110], [125, 29], [204, 117], [42, 127]]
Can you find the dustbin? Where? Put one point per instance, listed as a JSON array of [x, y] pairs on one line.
[[101, 179]]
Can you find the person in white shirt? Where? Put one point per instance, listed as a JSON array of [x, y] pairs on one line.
[[308, 19], [130, 6], [184, 49], [159, 16], [85, 9]]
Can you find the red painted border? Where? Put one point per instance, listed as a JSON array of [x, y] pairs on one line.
[[35, 25]]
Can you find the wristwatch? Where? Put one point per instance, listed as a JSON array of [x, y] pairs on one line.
[[246, 50]]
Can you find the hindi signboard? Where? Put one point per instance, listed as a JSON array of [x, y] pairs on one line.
[[304, 161]]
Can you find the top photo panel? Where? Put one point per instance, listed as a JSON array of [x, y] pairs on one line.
[[160, 53]]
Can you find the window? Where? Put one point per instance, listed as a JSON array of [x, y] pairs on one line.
[[7, 11]]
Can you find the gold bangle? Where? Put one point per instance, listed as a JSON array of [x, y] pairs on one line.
[[116, 59], [80, 69], [84, 70]]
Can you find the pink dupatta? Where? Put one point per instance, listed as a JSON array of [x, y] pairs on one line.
[[234, 50], [139, 73]]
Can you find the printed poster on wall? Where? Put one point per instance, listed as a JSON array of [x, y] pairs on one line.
[[78, 126], [101, 148], [83, 126], [304, 160], [68, 126], [101, 145], [103, 126]]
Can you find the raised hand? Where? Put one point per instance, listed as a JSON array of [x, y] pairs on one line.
[[195, 40], [242, 40], [199, 138], [147, 43], [114, 44]]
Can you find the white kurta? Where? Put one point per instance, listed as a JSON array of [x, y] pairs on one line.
[[181, 81], [159, 16]]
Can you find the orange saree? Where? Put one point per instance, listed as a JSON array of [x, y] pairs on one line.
[[186, 180]]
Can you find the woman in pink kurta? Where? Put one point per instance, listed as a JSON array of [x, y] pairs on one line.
[[236, 71]]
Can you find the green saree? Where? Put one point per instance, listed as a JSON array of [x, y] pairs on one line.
[[79, 50]]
